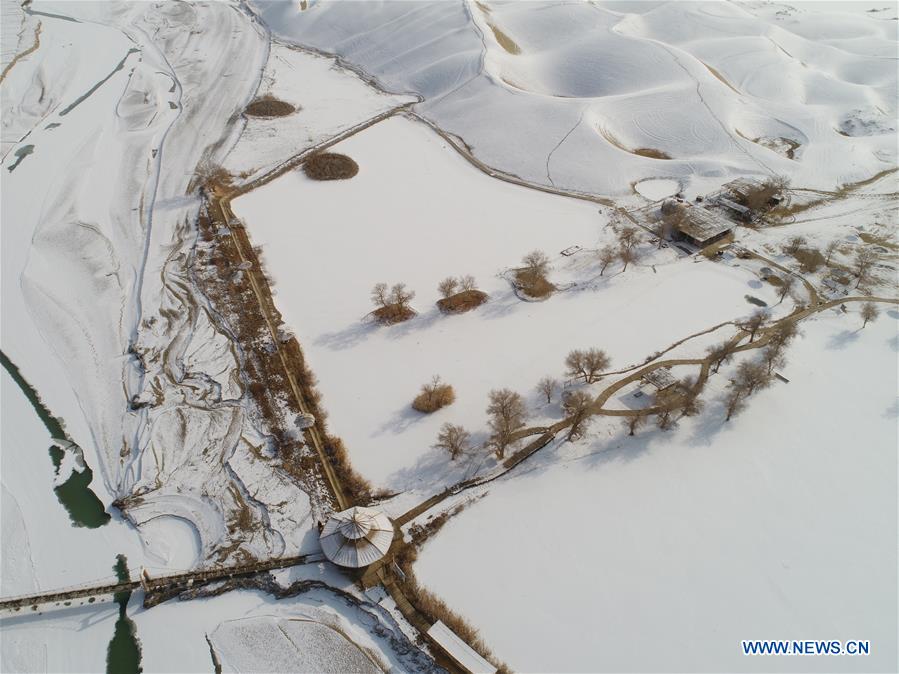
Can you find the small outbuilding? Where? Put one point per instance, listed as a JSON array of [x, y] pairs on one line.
[[463, 655], [661, 378], [356, 537]]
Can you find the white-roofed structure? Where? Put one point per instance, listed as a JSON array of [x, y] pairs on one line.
[[460, 652], [356, 537]]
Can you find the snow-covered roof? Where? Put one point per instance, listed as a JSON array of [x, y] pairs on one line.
[[701, 224], [356, 537], [458, 650], [661, 378]]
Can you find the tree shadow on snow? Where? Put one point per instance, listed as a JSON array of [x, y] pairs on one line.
[[840, 340], [350, 336], [434, 470], [400, 421]]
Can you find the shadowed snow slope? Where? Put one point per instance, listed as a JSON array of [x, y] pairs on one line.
[[584, 90]]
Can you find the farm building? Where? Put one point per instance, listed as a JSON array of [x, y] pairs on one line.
[[701, 226], [356, 537], [742, 191], [461, 653], [661, 378]]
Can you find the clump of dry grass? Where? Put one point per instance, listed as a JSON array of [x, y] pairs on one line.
[[533, 284], [434, 395], [651, 153], [809, 259], [392, 313], [462, 302], [269, 106], [330, 166]]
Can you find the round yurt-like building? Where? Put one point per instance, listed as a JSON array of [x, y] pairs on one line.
[[356, 537]]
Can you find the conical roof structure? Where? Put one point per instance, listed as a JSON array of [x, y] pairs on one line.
[[356, 537]]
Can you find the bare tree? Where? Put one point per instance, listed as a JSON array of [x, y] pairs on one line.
[[720, 354], [587, 364], [507, 414], [667, 402], [400, 297], [794, 244], [536, 263], [862, 263], [628, 237], [547, 386], [752, 375], [754, 323], [607, 255], [454, 439], [788, 284], [783, 333], [870, 312], [634, 422], [577, 407], [627, 255], [830, 249], [735, 402], [691, 403], [467, 283], [773, 356], [379, 296], [672, 218], [448, 286]]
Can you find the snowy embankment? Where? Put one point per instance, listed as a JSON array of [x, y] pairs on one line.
[[117, 340], [596, 97], [445, 218], [663, 551]]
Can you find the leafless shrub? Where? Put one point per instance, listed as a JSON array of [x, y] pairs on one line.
[[447, 287], [531, 278], [809, 259], [794, 244], [434, 395], [830, 249], [459, 295]]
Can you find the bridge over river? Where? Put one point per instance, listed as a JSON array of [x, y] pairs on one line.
[[89, 594]]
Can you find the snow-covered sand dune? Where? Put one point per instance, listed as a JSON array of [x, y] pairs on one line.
[[595, 96], [663, 551]]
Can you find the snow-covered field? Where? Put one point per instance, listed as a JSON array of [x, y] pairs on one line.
[[663, 551], [444, 218]]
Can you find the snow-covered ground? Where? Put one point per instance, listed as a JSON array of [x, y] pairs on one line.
[[663, 551], [442, 218], [328, 100], [575, 94]]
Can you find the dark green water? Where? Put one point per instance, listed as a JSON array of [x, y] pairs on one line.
[[75, 495], [123, 655]]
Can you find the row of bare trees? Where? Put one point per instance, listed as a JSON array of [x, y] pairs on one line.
[[506, 413]]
